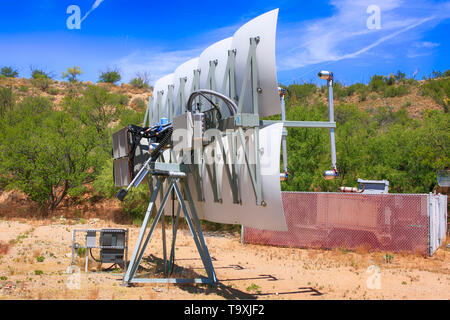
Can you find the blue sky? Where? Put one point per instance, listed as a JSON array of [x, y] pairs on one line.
[[157, 36]]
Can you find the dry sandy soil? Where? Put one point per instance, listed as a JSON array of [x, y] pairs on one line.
[[244, 271]]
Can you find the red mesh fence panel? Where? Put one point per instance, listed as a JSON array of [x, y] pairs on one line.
[[391, 222]]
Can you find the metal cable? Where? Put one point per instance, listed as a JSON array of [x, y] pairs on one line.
[[232, 107]]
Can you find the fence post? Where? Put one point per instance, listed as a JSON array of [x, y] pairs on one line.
[[429, 222]]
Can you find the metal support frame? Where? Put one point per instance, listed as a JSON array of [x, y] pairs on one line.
[[251, 71], [194, 226], [74, 247], [170, 104], [251, 75], [331, 117], [181, 97], [300, 124], [157, 107], [284, 135], [147, 118]]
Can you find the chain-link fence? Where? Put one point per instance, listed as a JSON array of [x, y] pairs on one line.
[[392, 222]]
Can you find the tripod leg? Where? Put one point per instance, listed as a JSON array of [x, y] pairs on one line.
[[212, 274], [174, 238], [132, 264], [157, 217], [198, 237], [163, 236]]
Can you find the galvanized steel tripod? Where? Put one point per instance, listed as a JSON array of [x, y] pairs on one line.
[[174, 179]]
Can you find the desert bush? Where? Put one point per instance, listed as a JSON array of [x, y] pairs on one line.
[[104, 182], [9, 72], [395, 91], [110, 76], [23, 89], [41, 79], [53, 91], [39, 73], [6, 100], [377, 83], [301, 92], [72, 73], [96, 107], [48, 152], [438, 90], [138, 104], [142, 80]]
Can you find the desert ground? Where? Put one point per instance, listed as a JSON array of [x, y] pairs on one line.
[[35, 256]]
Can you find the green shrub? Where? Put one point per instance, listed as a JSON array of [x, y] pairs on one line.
[[395, 91], [9, 72], [438, 90], [139, 104], [53, 91], [138, 82], [377, 83], [41, 79], [72, 73], [301, 91], [6, 100], [110, 76], [39, 73], [58, 151], [23, 89], [40, 259], [104, 182], [81, 252]]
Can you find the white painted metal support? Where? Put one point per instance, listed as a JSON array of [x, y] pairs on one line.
[[331, 117]]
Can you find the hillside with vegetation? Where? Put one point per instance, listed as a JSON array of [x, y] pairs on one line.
[[55, 141]]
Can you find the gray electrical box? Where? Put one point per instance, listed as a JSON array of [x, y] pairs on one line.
[[373, 186], [112, 243], [91, 239]]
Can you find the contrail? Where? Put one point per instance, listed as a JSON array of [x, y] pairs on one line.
[[367, 48], [94, 6]]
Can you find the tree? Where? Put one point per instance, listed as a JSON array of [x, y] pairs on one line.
[[40, 74], [40, 78], [72, 73], [9, 72], [110, 76], [48, 153]]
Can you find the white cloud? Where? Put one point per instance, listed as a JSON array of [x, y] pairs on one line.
[[345, 35], [426, 44], [157, 61]]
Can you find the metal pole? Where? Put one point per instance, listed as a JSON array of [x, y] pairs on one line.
[[283, 141], [132, 264], [331, 115]]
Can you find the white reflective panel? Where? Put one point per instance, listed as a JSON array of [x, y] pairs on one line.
[[186, 70], [263, 27], [249, 214], [161, 88], [218, 51], [149, 118]]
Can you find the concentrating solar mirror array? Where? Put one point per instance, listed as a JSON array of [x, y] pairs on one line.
[[211, 71]]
